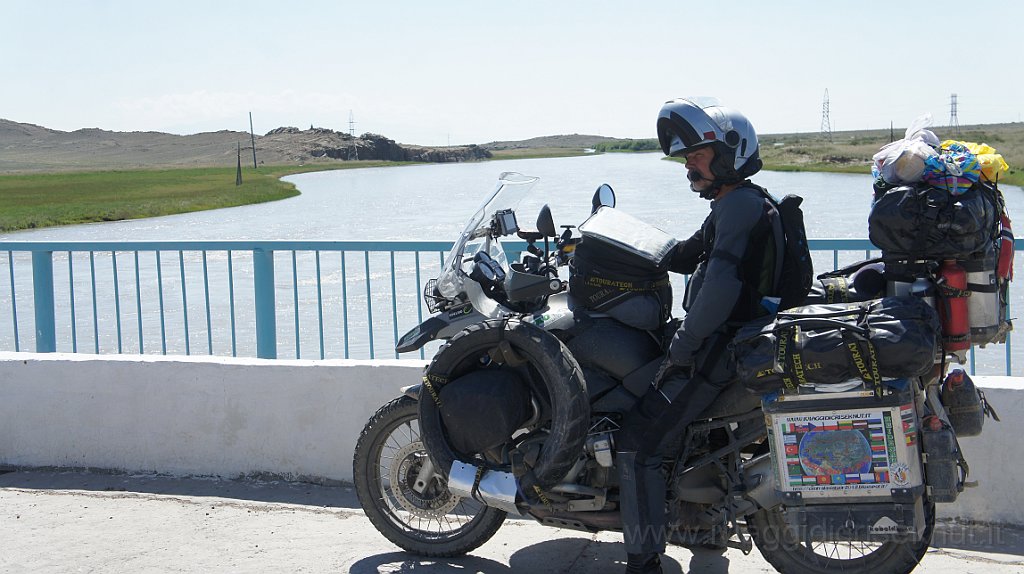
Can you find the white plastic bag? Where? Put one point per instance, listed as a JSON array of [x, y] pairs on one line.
[[902, 161]]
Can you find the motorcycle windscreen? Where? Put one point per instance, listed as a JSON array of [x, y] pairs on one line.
[[510, 190]]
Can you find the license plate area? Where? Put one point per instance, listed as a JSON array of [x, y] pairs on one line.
[[858, 522]]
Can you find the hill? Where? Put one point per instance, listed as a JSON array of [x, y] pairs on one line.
[[28, 147], [32, 148], [574, 141]]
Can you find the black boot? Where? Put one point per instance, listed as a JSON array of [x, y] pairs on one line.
[[643, 563]]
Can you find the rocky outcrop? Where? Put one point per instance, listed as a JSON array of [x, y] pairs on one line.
[[371, 146]]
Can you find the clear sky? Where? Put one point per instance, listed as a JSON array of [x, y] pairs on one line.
[[442, 71]]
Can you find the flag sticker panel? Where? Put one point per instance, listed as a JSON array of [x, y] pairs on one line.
[[845, 452]]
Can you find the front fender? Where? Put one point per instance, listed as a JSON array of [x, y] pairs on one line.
[[444, 325]]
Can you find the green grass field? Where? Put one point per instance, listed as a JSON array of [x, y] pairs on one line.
[[45, 200]]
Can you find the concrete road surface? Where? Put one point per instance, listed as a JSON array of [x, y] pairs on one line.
[[85, 522]]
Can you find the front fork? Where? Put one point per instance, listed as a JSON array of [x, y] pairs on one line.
[[425, 476], [426, 473]]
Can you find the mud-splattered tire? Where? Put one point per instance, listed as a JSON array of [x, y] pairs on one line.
[[429, 523], [788, 554], [549, 362]]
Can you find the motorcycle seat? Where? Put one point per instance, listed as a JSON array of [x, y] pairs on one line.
[[735, 399]]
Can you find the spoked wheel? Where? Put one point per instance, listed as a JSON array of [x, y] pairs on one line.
[[404, 499], [784, 550]]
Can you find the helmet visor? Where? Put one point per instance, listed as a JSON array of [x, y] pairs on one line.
[[687, 126]]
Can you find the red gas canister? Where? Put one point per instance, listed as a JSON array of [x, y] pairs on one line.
[[956, 325], [1004, 269]]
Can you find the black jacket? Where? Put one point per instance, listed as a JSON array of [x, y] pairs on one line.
[[731, 258]]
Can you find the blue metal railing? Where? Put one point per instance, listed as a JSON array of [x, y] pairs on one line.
[[323, 299]]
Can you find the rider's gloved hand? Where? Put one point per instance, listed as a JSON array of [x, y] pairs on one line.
[[671, 369]]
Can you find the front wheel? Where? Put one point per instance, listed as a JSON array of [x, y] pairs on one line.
[[407, 503], [784, 550]]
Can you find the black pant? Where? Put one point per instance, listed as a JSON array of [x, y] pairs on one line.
[[657, 420]]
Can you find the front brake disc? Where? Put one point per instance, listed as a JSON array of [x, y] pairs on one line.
[[435, 501]]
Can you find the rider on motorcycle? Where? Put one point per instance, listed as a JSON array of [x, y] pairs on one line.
[[731, 258]]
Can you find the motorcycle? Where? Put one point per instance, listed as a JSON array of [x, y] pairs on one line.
[[509, 420]]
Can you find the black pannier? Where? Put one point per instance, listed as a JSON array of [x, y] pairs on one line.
[[893, 337], [483, 408], [924, 222], [620, 269]]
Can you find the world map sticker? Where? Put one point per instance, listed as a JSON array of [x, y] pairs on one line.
[[835, 451]]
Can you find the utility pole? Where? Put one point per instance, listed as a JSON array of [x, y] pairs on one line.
[[826, 124], [352, 132], [238, 174], [252, 136]]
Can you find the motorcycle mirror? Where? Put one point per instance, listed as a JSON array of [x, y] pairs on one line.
[[604, 196], [546, 223]]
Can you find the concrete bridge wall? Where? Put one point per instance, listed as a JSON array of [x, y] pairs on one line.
[[300, 419]]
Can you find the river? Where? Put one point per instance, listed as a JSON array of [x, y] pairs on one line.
[[432, 202]]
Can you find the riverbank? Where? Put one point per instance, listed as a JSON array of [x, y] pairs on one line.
[[30, 201]]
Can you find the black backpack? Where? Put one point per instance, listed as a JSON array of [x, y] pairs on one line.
[[795, 271]]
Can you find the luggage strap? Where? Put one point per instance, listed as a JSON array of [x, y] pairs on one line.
[[632, 286], [859, 312], [837, 289], [947, 291], [865, 358], [791, 362], [932, 235]]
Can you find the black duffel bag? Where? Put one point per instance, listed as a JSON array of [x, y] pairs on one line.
[[893, 337], [857, 282], [924, 222]]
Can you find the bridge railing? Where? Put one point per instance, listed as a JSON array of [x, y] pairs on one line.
[[269, 299]]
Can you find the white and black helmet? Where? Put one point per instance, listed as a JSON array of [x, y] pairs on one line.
[[684, 126]]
